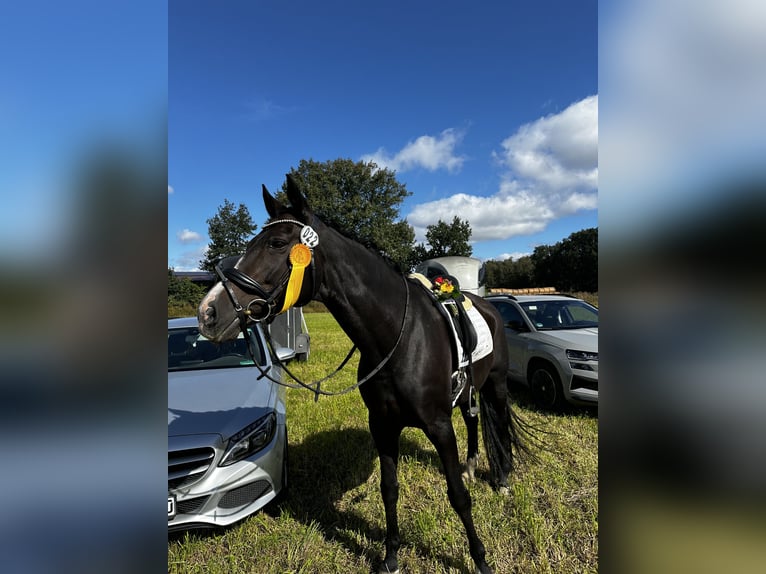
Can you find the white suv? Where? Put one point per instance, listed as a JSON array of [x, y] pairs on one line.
[[552, 346]]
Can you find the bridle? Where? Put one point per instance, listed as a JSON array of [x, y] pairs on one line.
[[230, 274]]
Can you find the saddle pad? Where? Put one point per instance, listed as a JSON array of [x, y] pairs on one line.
[[484, 344]]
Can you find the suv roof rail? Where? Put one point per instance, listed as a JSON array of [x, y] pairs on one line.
[[524, 291]]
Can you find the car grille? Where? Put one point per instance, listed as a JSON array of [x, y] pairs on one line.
[[582, 383], [191, 506], [244, 494], [188, 466]]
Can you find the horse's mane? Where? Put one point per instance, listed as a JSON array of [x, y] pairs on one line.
[[354, 236]]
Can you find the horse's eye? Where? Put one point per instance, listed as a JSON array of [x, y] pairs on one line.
[[276, 243]]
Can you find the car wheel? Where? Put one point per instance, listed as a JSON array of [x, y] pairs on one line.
[[546, 387]]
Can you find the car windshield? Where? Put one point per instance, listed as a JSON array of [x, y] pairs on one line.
[[553, 315], [189, 350]]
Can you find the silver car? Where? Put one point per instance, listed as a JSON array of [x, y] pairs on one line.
[[227, 438], [552, 346]]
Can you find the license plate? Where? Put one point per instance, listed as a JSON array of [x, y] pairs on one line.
[[171, 507]]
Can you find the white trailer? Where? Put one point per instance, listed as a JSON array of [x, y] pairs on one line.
[[468, 271], [289, 330]]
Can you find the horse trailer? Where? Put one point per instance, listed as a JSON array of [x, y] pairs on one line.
[[289, 330], [468, 271]]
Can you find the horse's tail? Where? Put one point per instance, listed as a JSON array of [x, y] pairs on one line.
[[505, 434]]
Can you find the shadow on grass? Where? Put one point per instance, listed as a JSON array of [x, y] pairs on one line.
[[522, 396], [321, 470], [324, 468]]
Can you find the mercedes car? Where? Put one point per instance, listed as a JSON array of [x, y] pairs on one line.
[[227, 437]]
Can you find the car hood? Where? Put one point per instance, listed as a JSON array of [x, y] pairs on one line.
[[216, 401], [580, 339]]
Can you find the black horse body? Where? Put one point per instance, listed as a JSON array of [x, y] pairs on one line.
[[371, 303]]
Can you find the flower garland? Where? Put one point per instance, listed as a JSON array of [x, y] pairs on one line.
[[445, 289]]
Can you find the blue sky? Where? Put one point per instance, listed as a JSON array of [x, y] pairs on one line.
[[74, 76], [487, 111]]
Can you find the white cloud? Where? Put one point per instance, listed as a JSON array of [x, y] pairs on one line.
[[516, 255], [559, 151], [427, 152], [188, 236], [552, 171], [170, 189], [261, 109], [189, 260], [500, 216]]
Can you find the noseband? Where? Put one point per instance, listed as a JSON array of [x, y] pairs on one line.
[[290, 283]]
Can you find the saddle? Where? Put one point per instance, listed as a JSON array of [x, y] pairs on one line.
[[464, 328], [456, 312], [465, 341]]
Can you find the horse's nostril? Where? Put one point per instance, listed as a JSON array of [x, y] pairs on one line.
[[208, 315]]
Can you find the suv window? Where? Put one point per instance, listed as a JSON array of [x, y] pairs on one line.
[[509, 313], [561, 314]]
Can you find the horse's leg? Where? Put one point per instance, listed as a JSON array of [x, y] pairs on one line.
[[472, 457], [442, 435], [386, 439]]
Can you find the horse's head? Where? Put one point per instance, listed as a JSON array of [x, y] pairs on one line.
[[275, 273]]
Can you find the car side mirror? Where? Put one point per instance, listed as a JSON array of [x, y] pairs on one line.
[[285, 354], [517, 326]]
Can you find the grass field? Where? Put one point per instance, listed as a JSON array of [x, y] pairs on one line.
[[332, 519]]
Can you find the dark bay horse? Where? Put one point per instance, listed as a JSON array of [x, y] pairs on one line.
[[404, 344]]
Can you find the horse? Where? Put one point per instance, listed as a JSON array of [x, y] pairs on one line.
[[405, 363]]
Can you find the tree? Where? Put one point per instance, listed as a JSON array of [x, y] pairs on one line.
[[547, 266], [449, 239], [360, 200], [579, 253], [229, 231], [511, 274], [523, 273], [182, 291], [571, 264]]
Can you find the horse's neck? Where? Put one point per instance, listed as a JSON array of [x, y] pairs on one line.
[[364, 294]]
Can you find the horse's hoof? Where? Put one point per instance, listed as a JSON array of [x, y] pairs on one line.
[[384, 569], [470, 468], [504, 490]]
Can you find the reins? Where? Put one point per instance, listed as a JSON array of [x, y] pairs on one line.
[[315, 386], [308, 240]]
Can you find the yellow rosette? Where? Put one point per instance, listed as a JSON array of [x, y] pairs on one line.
[[300, 257]]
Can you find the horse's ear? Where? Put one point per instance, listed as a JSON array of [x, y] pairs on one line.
[[299, 203], [272, 205]]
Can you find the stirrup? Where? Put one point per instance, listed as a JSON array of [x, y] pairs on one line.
[[459, 379]]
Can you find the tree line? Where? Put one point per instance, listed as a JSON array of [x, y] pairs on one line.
[[363, 202], [569, 265]]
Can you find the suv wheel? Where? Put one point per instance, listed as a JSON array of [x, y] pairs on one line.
[[546, 387]]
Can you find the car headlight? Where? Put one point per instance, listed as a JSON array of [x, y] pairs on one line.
[[250, 439], [581, 355]]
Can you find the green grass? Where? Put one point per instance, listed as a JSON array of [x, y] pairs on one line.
[[332, 519]]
